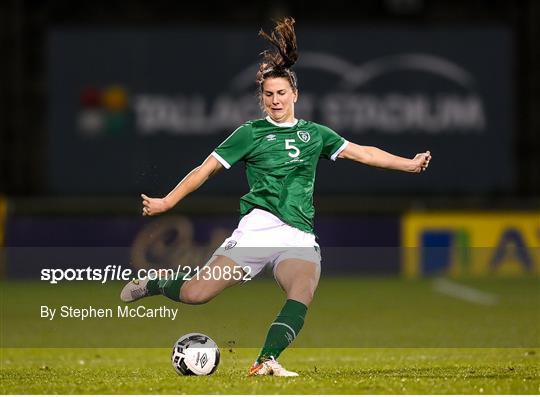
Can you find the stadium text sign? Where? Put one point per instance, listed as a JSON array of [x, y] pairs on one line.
[[471, 244], [123, 97]]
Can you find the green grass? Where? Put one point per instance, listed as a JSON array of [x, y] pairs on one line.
[[361, 336], [323, 371], [367, 312]]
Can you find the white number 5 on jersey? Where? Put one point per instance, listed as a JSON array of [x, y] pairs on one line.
[[289, 146]]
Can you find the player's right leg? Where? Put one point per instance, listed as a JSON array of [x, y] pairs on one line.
[[197, 289], [220, 273]]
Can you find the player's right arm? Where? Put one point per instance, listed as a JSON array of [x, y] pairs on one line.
[[231, 150], [190, 183]]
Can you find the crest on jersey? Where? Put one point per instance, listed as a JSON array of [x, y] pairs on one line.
[[304, 136]]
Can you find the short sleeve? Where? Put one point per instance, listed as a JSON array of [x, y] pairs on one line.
[[235, 147], [333, 143]]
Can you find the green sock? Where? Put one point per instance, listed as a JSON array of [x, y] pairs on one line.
[[284, 329], [169, 287]]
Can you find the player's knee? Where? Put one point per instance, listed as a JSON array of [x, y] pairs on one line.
[[304, 295], [308, 298], [303, 292], [195, 295]]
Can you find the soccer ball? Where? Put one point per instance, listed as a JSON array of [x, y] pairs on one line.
[[195, 354]]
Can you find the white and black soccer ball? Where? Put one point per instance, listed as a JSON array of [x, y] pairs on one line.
[[195, 354]]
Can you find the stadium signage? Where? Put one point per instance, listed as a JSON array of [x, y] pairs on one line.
[[140, 105], [355, 103], [471, 244]]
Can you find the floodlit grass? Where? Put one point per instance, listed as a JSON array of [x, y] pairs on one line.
[[361, 336], [367, 312], [323, 371]]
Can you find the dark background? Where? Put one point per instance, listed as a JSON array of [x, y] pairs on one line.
[[25, 139]]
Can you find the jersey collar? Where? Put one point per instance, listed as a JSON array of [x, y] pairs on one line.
[[286, 124]]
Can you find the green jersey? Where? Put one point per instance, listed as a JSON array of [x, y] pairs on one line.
[[281, 161]]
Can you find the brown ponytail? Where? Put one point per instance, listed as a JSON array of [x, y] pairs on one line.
[[278, 63]]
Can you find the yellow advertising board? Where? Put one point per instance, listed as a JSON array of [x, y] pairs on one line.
[[471, 244]]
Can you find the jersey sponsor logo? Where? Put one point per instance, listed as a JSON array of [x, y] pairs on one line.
[[270, 137], [304, 136]]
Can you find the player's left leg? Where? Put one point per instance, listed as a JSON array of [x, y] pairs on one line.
[[299, 279]]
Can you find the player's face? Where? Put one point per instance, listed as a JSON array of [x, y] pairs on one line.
[[279, 99]]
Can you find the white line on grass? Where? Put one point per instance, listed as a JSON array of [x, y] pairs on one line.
[[465, 293]]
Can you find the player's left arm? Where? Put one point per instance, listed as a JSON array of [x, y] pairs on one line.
[[376, 157]]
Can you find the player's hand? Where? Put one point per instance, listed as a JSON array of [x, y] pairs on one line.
[[421, 162], [153, 206]]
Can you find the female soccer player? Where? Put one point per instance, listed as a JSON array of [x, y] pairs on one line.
[[281, 155]]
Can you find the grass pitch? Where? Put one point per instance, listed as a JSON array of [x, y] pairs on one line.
[[361, 336], [322, 371]]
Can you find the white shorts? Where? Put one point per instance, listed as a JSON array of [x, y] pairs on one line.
[[263, 239]]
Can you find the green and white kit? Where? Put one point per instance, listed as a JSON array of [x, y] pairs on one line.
[[281, 162]]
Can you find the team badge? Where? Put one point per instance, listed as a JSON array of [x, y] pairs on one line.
[[230, 245], [304, 136]]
